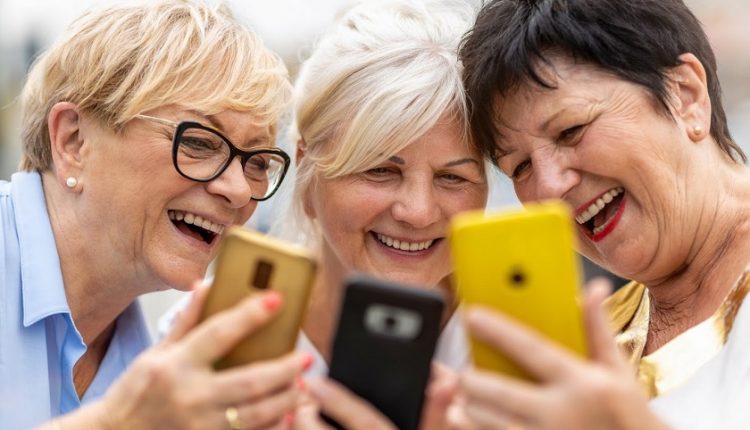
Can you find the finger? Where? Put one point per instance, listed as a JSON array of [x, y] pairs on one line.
[[254, 381], [347, 409], [600, 336], [456, 417], [216, 336], [530, 350], [508, 395], [307, 417], [188, 317], [483, 417], [269, 411], [438, 397]]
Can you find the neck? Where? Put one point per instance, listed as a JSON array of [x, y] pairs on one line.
[[695, 291], [93, 291]]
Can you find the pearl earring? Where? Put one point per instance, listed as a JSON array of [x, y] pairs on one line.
[[71, 182], [697, 130]]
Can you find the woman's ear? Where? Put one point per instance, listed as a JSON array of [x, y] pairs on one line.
[[64, 124], [690, 96], [300, 152], [307, 204]]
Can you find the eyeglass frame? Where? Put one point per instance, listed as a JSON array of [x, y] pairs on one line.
[[233, 151]]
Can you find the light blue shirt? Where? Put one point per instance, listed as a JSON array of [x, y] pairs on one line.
[[39, 343]]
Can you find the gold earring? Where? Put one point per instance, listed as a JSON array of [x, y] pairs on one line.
[[697, 130]]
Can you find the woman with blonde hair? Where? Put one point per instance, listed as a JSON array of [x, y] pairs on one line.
[[147, 130], [383, 162]]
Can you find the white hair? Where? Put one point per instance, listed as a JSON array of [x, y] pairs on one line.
[[384, 75]]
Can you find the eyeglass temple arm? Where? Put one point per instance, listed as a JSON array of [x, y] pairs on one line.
[[155, 119]]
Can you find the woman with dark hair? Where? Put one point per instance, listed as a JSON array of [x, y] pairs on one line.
[[615, 108]]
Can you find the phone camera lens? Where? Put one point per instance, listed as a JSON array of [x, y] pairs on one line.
[[390, 323], [517, 277]]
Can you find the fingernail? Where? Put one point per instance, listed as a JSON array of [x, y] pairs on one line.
[[301, 384], [289, 419], [272, 300], [307, 361]]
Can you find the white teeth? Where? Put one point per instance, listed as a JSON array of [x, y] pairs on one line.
[[598, 205], [403, 245], [190, 218]]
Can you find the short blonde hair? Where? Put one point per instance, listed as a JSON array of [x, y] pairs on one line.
[[381, 78], [124, 60]]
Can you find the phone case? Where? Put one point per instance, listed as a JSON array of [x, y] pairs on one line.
[[523, 263], [384, 345], [248, 263]]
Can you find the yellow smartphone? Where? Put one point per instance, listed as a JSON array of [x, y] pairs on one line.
[[249, 263], [521, 262]]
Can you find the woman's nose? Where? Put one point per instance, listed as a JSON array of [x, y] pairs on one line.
[[232, 185], [417, 204]]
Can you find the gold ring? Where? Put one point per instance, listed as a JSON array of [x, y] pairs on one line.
[[233, 418]]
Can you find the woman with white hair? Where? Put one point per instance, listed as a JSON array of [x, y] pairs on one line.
[[383, 162], [147, 131]]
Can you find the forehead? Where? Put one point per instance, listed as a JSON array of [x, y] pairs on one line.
[[241, 127], [572, 85]]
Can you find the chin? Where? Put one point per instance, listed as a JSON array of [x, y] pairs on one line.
[[180, 278], [416, 279]]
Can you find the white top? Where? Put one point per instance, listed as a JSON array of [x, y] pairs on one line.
[[718, 395]]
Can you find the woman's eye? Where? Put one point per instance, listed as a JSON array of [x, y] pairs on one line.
[[380, 173], [520, 169], [570, 133], [452, 178]]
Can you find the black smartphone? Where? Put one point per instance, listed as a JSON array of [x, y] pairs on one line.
[[384, 344]]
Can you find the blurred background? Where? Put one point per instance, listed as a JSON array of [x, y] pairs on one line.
[[290, 27]]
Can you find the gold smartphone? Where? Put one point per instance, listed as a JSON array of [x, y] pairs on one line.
[[521, 262], [248, 263]]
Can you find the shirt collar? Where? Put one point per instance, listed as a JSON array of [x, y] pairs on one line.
[[42, 289]]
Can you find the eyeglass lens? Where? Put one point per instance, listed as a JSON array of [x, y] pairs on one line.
[[202, 154]]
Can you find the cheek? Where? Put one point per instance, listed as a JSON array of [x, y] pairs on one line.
[[247, 212], [466, 199], [523, 191]]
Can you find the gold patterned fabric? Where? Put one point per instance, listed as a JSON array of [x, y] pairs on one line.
[[675, 362]]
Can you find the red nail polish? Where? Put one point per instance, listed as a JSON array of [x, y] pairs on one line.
[[307, 361], [272, 300], [289, 419]]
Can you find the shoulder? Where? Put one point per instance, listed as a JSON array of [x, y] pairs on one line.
[[623, 304]]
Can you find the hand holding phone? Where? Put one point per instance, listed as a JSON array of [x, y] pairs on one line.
[[248, 263], [523, 263], [384, 345]]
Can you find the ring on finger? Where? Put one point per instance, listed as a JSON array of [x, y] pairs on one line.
[[233, 418]]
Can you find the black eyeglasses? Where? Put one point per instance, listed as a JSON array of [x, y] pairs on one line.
[[201, 154]]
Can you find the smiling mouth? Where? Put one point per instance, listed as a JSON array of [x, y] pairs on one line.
[[602, 214], [403, 245], [195, 226]]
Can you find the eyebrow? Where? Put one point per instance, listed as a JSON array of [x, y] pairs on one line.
[[545, 125], [396, 159], [258, 141], [461, 161], [501, 152]]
